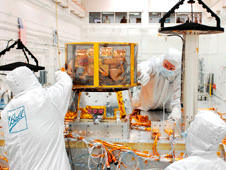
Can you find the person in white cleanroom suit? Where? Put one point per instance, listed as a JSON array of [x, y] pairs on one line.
[[33, 121], [160, 79], [205, 134]]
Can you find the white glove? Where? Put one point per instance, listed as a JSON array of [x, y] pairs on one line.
[[175, 114], [58, 72], [144, 78]]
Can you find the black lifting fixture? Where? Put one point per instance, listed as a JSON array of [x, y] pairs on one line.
[[190, 26], [20, 45]]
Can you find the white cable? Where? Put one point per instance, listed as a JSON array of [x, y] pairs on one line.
[[135, 165], [90, 150], [103, 156], [119, 162]]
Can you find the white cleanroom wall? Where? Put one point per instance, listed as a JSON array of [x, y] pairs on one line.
[[40, 18]]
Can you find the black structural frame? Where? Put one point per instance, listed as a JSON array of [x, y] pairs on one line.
[[191, 25], [20, 45]]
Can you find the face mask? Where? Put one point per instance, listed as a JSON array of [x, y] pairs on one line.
[[166, 73]]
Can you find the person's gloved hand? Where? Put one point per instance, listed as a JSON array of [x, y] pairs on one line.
[[175, 114], [144, 77], [59, 72]]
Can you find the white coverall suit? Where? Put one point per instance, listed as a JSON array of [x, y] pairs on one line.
[[33, 122], [158, 91], [205, 134]]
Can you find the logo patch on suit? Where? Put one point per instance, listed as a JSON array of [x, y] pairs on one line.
[[17, 120]]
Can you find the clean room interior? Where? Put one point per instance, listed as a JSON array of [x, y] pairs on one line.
[[105, 46]]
